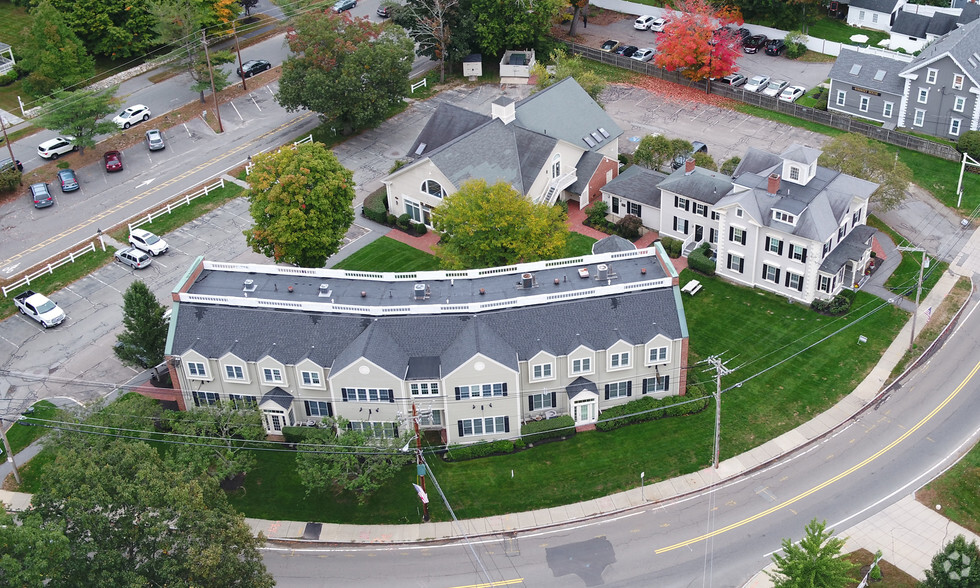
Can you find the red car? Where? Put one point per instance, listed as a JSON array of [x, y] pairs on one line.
[[113, 161]]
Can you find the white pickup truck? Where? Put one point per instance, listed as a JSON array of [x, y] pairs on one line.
[[40, 308]]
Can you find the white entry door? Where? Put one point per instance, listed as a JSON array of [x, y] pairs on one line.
[[585, 411]]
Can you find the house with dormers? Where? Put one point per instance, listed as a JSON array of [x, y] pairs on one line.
[[557, 144], [474, 353], [916, 25], [867, 83], [874, 14]]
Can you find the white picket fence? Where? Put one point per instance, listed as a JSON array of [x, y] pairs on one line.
[[306, 139], [49, 268], [143, 220]]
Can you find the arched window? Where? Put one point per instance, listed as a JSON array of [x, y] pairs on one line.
[[556, 166], [432, 188]]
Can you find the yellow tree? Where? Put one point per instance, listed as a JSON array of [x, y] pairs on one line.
[[488, 226]]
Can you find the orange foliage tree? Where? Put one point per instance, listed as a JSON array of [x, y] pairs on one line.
[[690, 45]]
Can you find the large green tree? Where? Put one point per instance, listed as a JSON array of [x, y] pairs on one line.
[[31, 552], [513, 24], [870, 160], [574, 66], [218, 438], [144, 338], [180, 25], [117, 29], [352, 72], [353, 460], [80, 114], [301, 201], [956, 566], [814, 562], [654, 151], [133, 519], [52, 53], [488, 226]]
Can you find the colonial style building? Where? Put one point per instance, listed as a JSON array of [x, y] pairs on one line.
[[476, 352]]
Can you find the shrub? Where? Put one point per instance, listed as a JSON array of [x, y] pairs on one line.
[[481, 449], [376, 206], [9, 78], [391, 219], [628, 227], [839, 305], [404, 221], [699, 261], [399, 163], [596, 214], [729, 165], [822, 99], [624, 158], [795, 44], [10, 180], [649, 408], [969, 143], [705, 161], [298, 434], [421, 229], [672, 246], [535, 431]]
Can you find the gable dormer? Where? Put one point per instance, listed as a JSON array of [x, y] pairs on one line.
[[799, 164]]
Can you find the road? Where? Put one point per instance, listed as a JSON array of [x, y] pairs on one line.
[[719, 538]]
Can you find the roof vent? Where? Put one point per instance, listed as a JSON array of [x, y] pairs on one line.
[[527, 281], [602, 272], [249, 286], [421, 291], [324, 291]]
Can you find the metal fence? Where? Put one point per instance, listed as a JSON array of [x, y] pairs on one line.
[[831, 119]]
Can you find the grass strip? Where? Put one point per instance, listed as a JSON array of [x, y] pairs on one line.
[[184, 214], [21, 434], [60, 277]]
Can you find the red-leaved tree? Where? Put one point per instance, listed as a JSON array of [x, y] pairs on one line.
[[690, 45]]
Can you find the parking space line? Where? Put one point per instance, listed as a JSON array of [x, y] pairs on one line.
[[255, 102], [236, 110]]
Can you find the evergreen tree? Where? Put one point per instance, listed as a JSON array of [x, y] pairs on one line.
[[53, 54], [143, 341]]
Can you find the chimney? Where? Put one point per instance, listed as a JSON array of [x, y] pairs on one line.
[[503, 108], [689, 166], [773, 184]]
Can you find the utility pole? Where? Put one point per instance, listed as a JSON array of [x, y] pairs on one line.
[[420, 464], [720, 370], [959, 185], [214, 94], [10, 454], [239, 52], [918, 290]]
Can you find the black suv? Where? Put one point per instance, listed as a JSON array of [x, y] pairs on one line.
[[775, 47], [252, 67]]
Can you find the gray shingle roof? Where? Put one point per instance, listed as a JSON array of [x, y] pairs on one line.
[[911, 24], [446, 123], [565, 111], [702, 185], [960, 44], [612, 244], [886, 6], [638, 184], [870, 64], [941, 23], [971, 12], [851, 248], [278, 396], [580, 385]]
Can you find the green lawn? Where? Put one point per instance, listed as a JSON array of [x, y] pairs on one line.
[[833, 29], [578, 244], [905, 277], [956, 491], [21, 435], [388, 255]]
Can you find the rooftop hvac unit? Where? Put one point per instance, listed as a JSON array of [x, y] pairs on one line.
[[602, 272], [527, 281], [420, 291], [249, 286]]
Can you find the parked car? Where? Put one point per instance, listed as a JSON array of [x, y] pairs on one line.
[[609, 46], [52, 148], [644, 54], [41, 195], [147, 241], [154, 140], [741, 35], [253, 67], [343, 5], [626, 50], [113, 161], [775, 47], [659, 25], [756, 84], [791, 93], [734, 80], [69, 181], [133, 257], [384, 11], [775, 87], [754, 43], [133, 115], [642, 23], [698, 147], [7, 163], [40, 308]]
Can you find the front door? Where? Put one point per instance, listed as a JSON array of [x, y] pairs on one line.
[[698, 233], [584, 411]]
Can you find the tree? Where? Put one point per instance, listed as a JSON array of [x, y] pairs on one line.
[[440, 29], [654, 151], [52, 53], [795, 44], [144, 338], [705, 161], [489, 226], [514, 24], [815, 562], [133, 519], [31, 553], [577, 7], [856, 155], [248, 5], [180, 24], [728, 166], [112, 28], [351, 72], [969, 143], [80, 114], [351, 460], [574, 66], [301, 201], [955, 566], [689, 43], [222, 433]]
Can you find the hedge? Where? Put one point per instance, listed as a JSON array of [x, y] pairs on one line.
[[481, 449], [535, 431], [376, 206], [698, 260], [299, 434], [672, 246], [839, 305], [649, 408]]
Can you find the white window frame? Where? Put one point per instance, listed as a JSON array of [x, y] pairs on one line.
[[197, 370], [660, 384], [315, 379], [738, 268], [701, 209], [383, 395], [959, 103], [874, 17], [619, 360], [771, 273], [932, 75], [865, 103], [633, 208], [824, 285], [426, 185], [584, 363], [887, 109], [794, 172], [861, 15], [658, 355], [243, 401], [784, 217], [797, 252], [542, 371], [272, 375], [955, 125], [376, 429], [424, 388], [920, 117], [958, 81], [841, 97], [482, 425], [473, 391], [794, 281], [541, 401], [622, 389], [235, 373], [738, 235], [321, 411], [923, 96], [774, 245], [205, 398]]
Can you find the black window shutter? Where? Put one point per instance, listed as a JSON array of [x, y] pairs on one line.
[[787, 279], [391, 395], [777, 276], [799, 285], [742, 241], [343, 394], [306, 404], [554, 400], [607, 391], [645, 380], [329, 409], [675, 223], [396, 431], [350, 426], [666, 383], [457, 397], [764, 268], [505, 388], [731, 233], [460, 425], [804, 256], [768, 242], [530, 403], [780, 250], [506, 424], [629, 388], [730, 261]]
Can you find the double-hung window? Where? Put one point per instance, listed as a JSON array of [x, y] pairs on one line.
[[542, 401], [923, 95], [959, 103], [920, 118], [619, 360], [582, 365], [272, 376], [235, 373], [659, 384], [770, 273], [841, 97], [481, 391], [202, 398], [311, 379], [483, 426], [424, 388], [797, 253], [195, 369], [367, 395], [542, 371], [736, 235], [619, 390], [317, 408], [794, 281], [240, 401], [736, 263], [657, 355], [774, 245]]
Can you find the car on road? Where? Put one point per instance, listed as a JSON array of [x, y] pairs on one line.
[[775, 87], [384, 11], [154, 140], [754, 43], [659, 25], [775, 47], [133, 257], [644, 54], [7, 163], [734, 80], [113, 161], [791, 93], [133, 115], [41, 195], [756, 84], [68, 179], [342, 5], [253, 67], [53, 148], [147, 241], [609, 46], [642, 23], [626, 50]]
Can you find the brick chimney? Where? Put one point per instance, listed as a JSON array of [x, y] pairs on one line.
[[773, 184], [689, 166]]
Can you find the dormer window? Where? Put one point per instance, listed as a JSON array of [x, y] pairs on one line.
[[784, 217], [794, 173], [433, 188]]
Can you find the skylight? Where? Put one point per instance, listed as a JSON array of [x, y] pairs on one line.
[[855, 69], [880, 75], [604, 132], [588, 141]]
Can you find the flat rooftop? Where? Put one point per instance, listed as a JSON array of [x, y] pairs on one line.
[[436, 292]]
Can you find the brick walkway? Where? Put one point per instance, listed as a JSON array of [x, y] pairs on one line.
[[423, 243]]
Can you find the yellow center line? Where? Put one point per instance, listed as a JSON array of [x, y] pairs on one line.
[[492, 584], [89, 222], [836, 478]]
